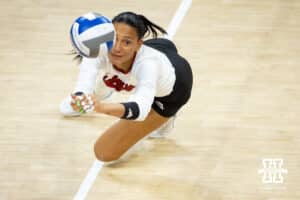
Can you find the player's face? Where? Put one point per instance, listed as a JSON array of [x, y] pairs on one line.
[[125, 46]]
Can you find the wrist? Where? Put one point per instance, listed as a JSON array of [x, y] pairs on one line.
[[98, 107]]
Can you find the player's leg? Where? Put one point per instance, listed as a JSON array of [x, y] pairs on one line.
[[165, 129], [120, 137]]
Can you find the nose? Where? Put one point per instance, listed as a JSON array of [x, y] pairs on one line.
[[117, 46]]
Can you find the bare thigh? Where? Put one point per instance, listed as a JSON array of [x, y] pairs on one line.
[[117, 139]]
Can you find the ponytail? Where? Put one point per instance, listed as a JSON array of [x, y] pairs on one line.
[[143, 26]]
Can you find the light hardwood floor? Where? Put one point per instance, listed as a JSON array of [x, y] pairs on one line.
[[245, 106]]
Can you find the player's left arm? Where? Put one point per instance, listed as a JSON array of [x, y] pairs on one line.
[[83, 103]]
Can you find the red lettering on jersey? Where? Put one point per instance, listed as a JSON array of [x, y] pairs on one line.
[[117, 83]]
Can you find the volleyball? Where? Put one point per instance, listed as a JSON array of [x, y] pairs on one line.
[[91, 33]]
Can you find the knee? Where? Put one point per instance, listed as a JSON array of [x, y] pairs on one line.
[[105, 154]]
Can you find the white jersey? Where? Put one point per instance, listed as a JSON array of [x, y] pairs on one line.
[[151, 75]]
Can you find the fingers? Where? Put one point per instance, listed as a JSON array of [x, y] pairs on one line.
[[75, 107], [82, 103]]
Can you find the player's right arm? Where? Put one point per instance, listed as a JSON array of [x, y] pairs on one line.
[[88, 70]]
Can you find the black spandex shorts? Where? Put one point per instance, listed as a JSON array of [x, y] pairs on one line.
[[168, 106]]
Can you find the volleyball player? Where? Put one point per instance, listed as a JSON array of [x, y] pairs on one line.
[[159, 79]]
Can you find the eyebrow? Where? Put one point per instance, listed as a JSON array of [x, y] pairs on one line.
[[126, 37]]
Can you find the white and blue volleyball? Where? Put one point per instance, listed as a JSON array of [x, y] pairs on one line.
[[92, 33]]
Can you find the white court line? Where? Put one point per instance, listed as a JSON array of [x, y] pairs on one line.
[[177, 19], [97, 165], [89, 180]]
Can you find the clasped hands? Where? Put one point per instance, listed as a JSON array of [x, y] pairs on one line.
[[83, 103]]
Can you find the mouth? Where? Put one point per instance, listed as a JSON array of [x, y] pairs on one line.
[[115, 55]]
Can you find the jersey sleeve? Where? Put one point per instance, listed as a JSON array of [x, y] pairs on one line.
[[147, 76], [88, 70]]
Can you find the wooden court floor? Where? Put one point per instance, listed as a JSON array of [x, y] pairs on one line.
[[245, 105]]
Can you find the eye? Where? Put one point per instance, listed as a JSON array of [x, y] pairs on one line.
[[127, 42]]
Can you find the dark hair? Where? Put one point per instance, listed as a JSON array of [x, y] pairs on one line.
[[76, 56], [143, 26]]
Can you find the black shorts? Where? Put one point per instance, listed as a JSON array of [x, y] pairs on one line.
[[168, 106]]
